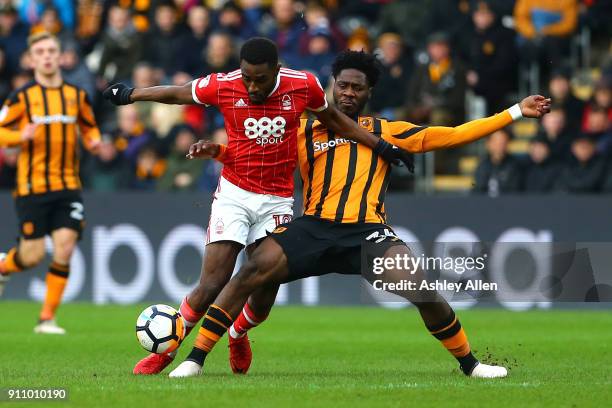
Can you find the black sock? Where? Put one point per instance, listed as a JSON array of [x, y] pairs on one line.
[[215, 324], [467, 363], [197, 356]]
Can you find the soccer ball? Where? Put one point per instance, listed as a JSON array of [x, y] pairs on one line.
[[160, 329]]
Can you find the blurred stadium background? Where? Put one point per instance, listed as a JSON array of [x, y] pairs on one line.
[[444, 62]]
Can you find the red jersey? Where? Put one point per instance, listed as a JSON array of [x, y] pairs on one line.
[[262, 147]]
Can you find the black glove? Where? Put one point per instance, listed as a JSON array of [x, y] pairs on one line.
[[118, 94], [394, 155]]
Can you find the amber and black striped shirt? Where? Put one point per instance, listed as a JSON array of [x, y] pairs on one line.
[[346, 182], [50, 161]]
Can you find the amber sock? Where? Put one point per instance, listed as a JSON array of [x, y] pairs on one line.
[[453, 338], [57, 277]]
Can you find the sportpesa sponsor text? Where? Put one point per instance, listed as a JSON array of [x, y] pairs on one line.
[[323, 146]]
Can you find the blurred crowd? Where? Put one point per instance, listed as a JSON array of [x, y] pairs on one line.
[[432, 53]]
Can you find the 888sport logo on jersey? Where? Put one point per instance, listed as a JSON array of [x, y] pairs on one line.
[[265, 130]]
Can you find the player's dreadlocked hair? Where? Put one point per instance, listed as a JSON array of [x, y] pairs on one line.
[[259, 50], [359, 60]]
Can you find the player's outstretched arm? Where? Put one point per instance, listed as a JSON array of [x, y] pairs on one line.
[[341, 124], [120, 94], [417, 139]]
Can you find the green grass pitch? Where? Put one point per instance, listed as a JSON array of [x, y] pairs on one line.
[[337, 357]]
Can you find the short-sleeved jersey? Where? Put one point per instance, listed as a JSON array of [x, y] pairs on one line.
[[261, 151], [50, 161]]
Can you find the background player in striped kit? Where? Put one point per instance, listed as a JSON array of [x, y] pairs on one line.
[[344, 191], [44, 118]]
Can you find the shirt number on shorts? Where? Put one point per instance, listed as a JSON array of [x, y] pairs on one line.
[[282, 218], [264, 127], [380, 236], [77, 211]]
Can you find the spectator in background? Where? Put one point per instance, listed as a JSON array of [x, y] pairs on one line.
[[601, 100], [50, 22], [21, 78], [74, 70], [8, 168], [13, 36], [555, 130], [586, 171], [316, 17], [149, 168], [503, 7], [252, 12], [545, 27], [32, 11], [183, 6], [141, 12], [144, 76], [436, 93], [163, 117], [541, 171], [388, 96], [121, 47], [451, 16], [560, 91], [498, 172], [181, 174], [5, 76], [491, 57], [408, 18], [598, 129], [165, 41], [597, 15], [131, 133], [367, 10], [107, 171], [231, 20], [359, 40], [198, 20], [89, 23], [219, 54], [25, 64], [320, 57], [284, 29], [219, 58]]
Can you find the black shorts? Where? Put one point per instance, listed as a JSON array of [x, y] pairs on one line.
[[41, 214], [316, 247]]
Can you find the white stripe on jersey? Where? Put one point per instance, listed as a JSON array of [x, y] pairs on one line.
[[235, 72], [293, 72], [278, 77], [292, 76], [193, 92], [228, 78]]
